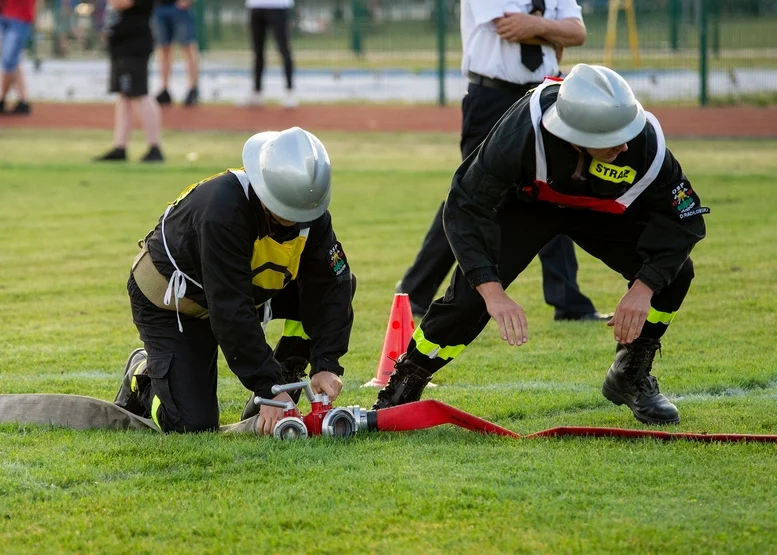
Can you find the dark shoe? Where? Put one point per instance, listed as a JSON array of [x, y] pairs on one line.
[[589, 317], [163, 98], [293, 371], [153, 155], [629, 382], [192, 98], [405, 385], [127, 396], [21, 109], [117, 154]]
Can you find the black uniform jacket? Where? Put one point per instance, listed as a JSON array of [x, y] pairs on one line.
[[211, 233], [505, 163]]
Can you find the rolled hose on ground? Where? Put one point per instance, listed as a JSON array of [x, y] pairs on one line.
[[427, 414]]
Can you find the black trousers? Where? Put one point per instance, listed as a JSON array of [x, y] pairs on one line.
[[459, 317], [181, 386], [481, 109], [277, 20]]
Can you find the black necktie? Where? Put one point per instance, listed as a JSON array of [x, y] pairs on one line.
[[531, 54]]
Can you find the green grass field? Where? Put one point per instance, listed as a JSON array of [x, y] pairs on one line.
[[68, 230]]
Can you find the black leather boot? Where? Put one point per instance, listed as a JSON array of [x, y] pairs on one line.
[[629, 382], [405, 385], [127, 397], [293, 371]]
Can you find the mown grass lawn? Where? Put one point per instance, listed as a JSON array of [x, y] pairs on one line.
[[68, 230]]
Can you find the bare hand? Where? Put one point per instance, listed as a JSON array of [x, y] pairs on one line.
[[519, 27], [631, 312], [121, 5], [269, 416], [506, 312], [559, 52], [326, 382]]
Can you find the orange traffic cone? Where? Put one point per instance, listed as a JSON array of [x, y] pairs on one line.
[[398, 333]]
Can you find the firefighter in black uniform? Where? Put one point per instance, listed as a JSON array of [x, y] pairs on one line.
[[580, 158], [229, 254]]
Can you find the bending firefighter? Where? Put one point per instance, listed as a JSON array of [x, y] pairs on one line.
[[229, 254], [579, 158]]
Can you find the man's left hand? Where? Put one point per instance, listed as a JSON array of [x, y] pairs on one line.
[[631, 313], [326, 382], [520, 27]]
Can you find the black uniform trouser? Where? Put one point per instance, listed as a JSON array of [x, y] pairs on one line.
[[180, 388], [459, 317], [481, 109], [277, 20]]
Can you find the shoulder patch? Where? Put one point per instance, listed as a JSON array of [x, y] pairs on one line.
[[684, 201], [337, 261]]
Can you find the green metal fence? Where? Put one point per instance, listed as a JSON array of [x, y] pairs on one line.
[[700, 51]]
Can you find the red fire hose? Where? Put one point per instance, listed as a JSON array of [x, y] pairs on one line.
[[430, 413]]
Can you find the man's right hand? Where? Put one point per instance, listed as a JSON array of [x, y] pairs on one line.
[[508, 314], [520, 27], [269, 416]]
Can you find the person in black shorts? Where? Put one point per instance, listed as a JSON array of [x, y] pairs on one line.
[[130, 44]]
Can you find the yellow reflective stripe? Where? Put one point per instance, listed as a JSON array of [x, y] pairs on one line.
[[658, 317], [156, 404], [284, 256], [138, 370], [611, 172], [293, 328], [432, 350], [191, 188]]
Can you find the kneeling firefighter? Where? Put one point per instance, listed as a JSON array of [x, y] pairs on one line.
[[229, 254]]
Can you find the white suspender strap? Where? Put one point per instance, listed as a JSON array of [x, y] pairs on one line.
[[541, 172], [243, 178], [176, 287], [652, 172]]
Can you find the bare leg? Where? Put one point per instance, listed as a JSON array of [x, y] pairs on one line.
[[191, 56], [150, 116], [7, 80], [165, 63], [122, 121], [21, 89]]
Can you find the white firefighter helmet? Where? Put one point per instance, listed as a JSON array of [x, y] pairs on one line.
[[290, 172], [595, 108]]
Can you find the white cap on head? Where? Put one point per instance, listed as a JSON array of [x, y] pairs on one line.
[[595, 108], [290, 172]]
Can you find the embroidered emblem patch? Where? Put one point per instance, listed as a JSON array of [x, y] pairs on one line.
[[683, 201], [337, 261], [609, 172]]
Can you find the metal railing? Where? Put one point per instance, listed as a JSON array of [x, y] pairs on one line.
[[678, 51]]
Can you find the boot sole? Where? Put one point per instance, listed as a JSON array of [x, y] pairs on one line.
[[618, 400], [126, 369]]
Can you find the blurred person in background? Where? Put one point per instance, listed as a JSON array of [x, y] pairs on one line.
[[130, 44], [174, 22], [16, 17], [509, 46], [272, 15], [67, 26]]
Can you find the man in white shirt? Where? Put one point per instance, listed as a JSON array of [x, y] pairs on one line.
[[509, 47]]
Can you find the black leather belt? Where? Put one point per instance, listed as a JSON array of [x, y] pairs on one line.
[[483, 81]]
